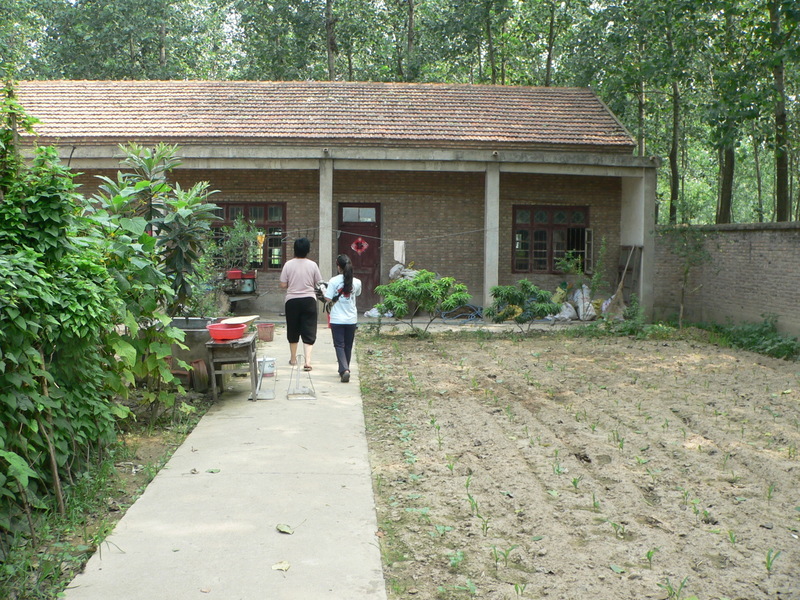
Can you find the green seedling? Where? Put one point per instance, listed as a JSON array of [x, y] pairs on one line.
[[770, 560], [732, 537], [619, 529], [770, 492], [576, 482], [473, 504], [496, 557], [649, 556], [484, 524], [519, 589], [424, 513], [595, 503], [456, 558], [451, 462], [558, 469], [673, 593], [654, 473], [439, 531], [507, 552]]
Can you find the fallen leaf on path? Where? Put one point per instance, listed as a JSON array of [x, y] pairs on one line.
[[283, 528], [212, 471], [281, 566]]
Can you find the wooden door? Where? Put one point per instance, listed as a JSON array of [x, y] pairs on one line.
[[359, 238]]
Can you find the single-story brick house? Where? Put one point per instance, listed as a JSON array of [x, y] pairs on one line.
[[488, 184]]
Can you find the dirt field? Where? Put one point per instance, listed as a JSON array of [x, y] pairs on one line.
[[569, 468]]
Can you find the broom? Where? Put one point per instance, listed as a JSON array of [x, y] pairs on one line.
[[617, 305]]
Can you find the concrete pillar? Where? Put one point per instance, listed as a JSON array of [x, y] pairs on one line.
[[491, 234], [326, 217]]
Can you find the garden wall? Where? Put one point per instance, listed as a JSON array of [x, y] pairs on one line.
[[753, 270]]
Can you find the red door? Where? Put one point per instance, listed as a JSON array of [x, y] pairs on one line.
[[359, 238]]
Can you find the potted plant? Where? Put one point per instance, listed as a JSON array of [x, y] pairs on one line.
[[239, 248]]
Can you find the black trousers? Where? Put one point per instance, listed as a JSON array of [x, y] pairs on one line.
[[301, 320]]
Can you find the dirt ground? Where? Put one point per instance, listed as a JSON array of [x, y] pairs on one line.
[[551, 466]]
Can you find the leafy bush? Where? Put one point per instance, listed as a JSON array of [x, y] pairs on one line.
[[424, 292], [522, 303], [758, 337]]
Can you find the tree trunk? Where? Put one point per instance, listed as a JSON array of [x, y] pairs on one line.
[[727, 168], [490, 45], [330, 34], [162, 47], [759, 187], [640, 143], [411, 44], [551, 37], [675, 178], [783, 203]]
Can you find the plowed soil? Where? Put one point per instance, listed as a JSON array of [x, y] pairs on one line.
[[548, 465]]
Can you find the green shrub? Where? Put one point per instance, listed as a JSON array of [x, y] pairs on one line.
[[522, 303], [424, 292], [762, 338]]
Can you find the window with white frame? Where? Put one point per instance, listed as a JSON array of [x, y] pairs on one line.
[[545, 234]]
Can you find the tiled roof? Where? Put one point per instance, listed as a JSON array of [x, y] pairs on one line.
[[294, 112]]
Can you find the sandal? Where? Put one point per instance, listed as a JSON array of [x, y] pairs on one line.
[[307, 368]]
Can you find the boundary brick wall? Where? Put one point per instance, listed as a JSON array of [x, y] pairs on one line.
[[754, 270]]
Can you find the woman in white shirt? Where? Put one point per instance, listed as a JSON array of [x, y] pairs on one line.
[[342, 291]]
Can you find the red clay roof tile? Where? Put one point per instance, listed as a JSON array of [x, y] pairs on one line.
[[384, 114]]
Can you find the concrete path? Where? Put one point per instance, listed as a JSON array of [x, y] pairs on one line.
[[206, 526]]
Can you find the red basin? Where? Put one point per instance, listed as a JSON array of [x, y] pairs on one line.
[[222, 331]]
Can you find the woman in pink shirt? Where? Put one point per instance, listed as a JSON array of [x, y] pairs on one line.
[[299, 278]]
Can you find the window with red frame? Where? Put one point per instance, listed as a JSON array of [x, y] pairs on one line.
[[545, 234], [269, 219]]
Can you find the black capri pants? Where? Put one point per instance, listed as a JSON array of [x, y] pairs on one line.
[[301, 320]]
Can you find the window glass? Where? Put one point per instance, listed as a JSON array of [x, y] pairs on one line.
[[256, 214], [523, 216], [578, 217], [560, 217], [235, 212], [350, 214], [275, 213], [542, 217], [367, 214], [522, 250], [540, 250]]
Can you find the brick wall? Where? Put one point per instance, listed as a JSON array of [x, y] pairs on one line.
[[754, 269], [440, 215], [601, 194]]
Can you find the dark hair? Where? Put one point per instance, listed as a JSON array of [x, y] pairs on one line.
[[346, 265], [301, 247]]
